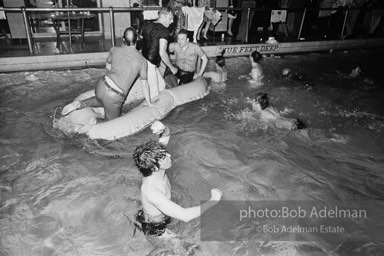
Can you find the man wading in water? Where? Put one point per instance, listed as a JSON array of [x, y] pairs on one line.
[[152, 160]]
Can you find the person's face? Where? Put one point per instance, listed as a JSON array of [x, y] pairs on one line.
[[182, 40], [168, 19], [165, 162]]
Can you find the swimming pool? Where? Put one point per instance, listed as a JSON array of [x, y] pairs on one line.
[[73, 196]]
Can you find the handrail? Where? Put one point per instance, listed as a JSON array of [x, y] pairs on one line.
[[112, 10], [106, 9]]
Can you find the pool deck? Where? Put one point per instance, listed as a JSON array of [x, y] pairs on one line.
[[84, 60]]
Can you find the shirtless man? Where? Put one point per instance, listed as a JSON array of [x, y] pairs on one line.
[[270, 116], [124, 64], [220, 75], [153, 160]]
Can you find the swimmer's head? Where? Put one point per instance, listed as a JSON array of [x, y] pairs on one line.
[[263, 100], [286, 72], [220, 61], [256, 56], [148, 156], [182, 37], [130, 36], [166, 16]]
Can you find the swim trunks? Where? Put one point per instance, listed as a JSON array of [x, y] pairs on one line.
[[151, 228]]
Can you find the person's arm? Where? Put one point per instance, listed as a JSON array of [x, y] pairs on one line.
[[163, 131], [145, 87], [165, 136], [174, 210], [108, 64], [204, 62], [171, 47], [144, 82], [164, 55]]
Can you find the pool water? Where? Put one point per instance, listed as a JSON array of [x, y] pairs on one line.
[[65, 195]]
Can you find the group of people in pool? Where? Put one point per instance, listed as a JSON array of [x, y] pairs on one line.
[[124, 65]]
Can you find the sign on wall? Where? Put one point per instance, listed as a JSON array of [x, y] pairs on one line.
[[235, 50]]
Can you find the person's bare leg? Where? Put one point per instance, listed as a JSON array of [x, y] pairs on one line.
[[374, 24], [285, 29], [206, 29], [230, 23], [199, 31]]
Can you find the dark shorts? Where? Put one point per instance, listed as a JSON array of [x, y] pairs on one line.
[[184, 76], [151, 228]]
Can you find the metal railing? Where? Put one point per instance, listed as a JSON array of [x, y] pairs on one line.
[[112, 10]]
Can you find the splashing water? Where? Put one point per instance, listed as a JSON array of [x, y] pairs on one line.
[[61, 195]]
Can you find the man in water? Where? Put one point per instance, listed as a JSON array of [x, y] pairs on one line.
[[155, 43], [187, 54], [270, 116], [152, 160], [124, 64], [219, 76]]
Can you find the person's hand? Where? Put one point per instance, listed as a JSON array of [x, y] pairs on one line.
[[70, 107], [197, 75], [174, 70], [165, 136], [216, 194], [157, 127]]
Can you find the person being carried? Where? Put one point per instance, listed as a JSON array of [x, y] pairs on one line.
[[257, 73], [152, 160], [154, 47], [270, 116], [186, 54], [124, 64]]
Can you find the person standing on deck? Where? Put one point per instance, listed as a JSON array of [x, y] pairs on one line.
[[176, 6]]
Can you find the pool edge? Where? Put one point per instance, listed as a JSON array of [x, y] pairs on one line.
[[84, 60]]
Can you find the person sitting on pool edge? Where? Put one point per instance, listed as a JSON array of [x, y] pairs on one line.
[[124, 64], [152, 160], [186, 55], [270, 116]]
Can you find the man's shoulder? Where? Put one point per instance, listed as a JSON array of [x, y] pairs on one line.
[[151, 189], [194, 46]]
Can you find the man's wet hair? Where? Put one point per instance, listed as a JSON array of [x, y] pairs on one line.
[[220, 59], [299, 124], [147, 156], [263, 100], [256, 56], [183, 32], [165, 10], [130, 40]]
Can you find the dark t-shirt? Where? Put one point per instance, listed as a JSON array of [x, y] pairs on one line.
[[152, 33]]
